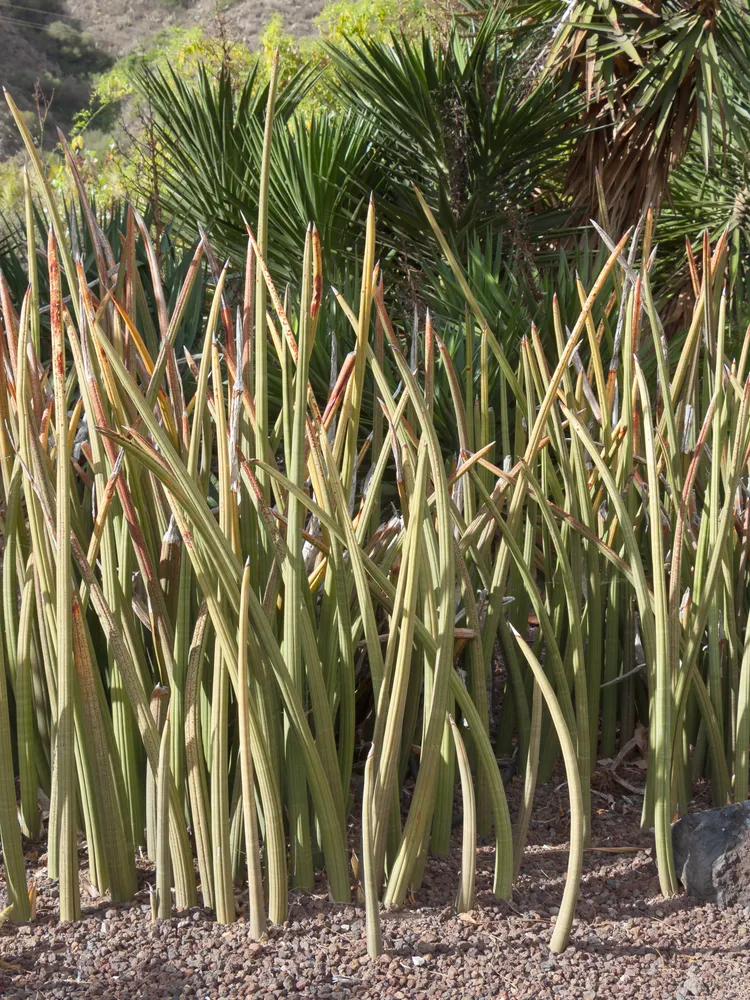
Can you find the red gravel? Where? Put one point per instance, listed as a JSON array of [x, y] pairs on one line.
[[627, 941]]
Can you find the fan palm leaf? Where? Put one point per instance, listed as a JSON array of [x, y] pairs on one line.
[[456, 118]]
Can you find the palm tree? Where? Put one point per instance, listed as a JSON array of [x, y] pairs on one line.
[[452, 114], [652, 76], [455, 116]]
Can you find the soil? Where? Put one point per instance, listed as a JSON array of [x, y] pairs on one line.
[[627, 940]]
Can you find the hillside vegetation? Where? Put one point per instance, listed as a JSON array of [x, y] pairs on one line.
[[47, 57], [56, 50]]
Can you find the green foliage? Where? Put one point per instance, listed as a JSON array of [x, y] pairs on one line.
[[341, 20], [451, 115], [294, 54], [186, 51], [455, 118]]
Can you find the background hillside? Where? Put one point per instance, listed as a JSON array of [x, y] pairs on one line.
[[57, 47]]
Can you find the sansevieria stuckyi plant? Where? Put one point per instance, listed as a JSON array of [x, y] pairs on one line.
[[322, 610]]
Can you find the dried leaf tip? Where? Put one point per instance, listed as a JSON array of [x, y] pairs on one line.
[[171, 535]]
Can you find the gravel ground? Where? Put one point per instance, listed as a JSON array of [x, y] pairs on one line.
[[627, 940]]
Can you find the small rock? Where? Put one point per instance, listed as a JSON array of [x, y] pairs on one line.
[[693, 987], [418, 960], [712, 854]]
